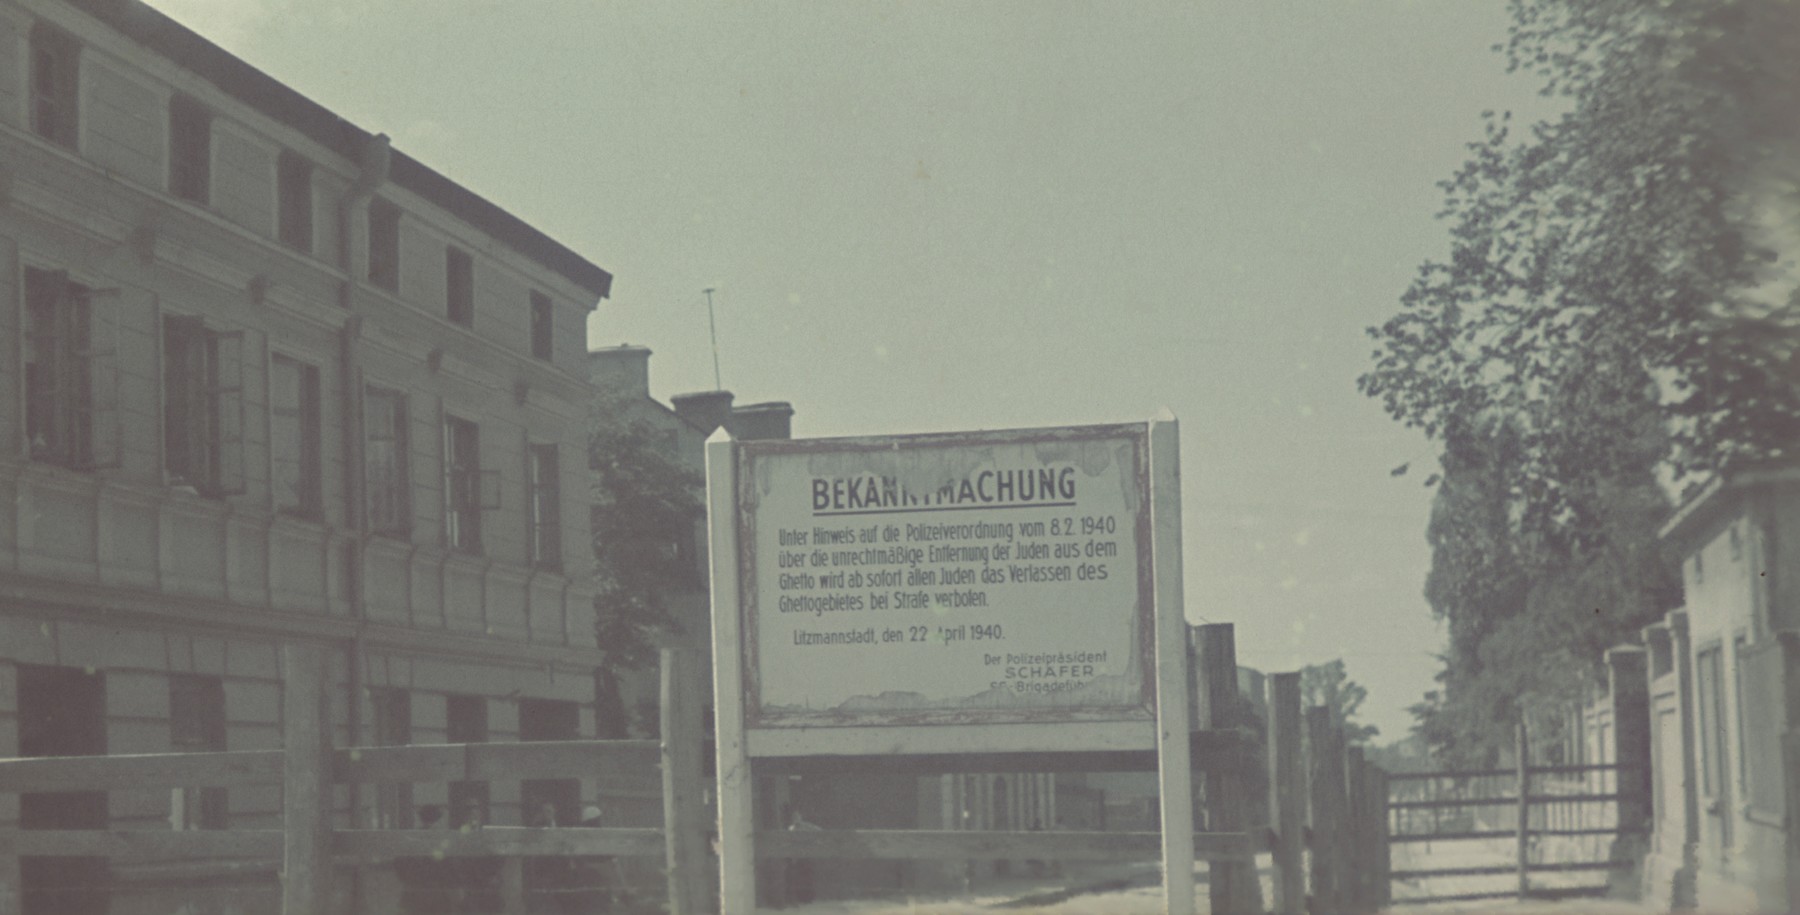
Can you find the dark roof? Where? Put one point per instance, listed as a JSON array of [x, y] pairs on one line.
[[270, 96]]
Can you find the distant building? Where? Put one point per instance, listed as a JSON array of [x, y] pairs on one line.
[[267, 380]]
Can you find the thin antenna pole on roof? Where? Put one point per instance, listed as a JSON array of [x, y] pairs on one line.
[[713, 324]]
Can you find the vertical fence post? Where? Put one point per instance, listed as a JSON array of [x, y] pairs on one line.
[[1287, 793], [306, 782], [1522, 748], [684, 819], [1325, 761], [1232, 886]]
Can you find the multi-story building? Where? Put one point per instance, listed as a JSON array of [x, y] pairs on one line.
[[265, 379]]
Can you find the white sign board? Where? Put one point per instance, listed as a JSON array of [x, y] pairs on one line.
[[978, 578]]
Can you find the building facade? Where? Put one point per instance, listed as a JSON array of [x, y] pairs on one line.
[[1724, 676], [265, 379]]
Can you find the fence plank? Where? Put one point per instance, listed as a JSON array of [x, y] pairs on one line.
[[684, 819], [306, 782], [1325, 762], [160, 770], [1232, 886], [1287, 792], [142, 844], [950, 845], [1355, 874]]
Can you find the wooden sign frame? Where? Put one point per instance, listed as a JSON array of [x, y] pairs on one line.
[[1158, 720]]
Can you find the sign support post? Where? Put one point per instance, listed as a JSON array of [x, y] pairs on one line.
[[737, 813], [1174, 769]]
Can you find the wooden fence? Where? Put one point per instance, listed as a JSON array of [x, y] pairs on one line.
[[1323, 798]]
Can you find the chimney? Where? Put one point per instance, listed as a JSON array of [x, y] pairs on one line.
[[704, 410], [620, 371], [771, 420]]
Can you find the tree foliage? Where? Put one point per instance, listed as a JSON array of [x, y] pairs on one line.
[[1632, 233], [1619, 300], [646, 507], [1328, 685]]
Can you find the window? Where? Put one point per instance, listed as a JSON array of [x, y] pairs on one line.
[[550, 719], [190, 149], [385, 458], [71, 373], [544, 538], [294, 436], [393, 728], [469, 490], [542, 336], [459, 287], [54, 70], [197, 725], [466, 720], [384, 245], [293, 201], [203, 406]]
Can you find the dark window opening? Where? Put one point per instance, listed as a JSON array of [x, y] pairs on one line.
[[197, 725], [543, 338], [393, 728], [62, 712], [55, 69], [294, 202], [384, 245], [190, 150], [459, 287], [466, 719]]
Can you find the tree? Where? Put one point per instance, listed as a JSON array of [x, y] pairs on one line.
[[1327, 685], [646, 507], [1613, 306]]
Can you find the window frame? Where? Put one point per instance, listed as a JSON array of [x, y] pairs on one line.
[[190, 150], [543, 506], [69, 343], [214, 401], [400, 524], [54, 114], [469, 490], [308, 500]]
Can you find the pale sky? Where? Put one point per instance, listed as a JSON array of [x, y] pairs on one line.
[[936, 216]]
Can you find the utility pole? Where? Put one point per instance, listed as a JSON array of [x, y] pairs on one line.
[[713, 325]]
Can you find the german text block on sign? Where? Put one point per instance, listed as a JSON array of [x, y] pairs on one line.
[[977, 578]]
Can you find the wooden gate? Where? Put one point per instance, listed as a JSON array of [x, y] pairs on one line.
[[1540, 832]]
